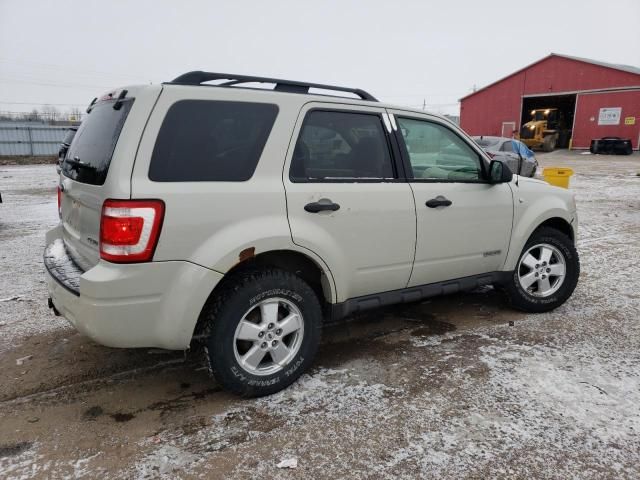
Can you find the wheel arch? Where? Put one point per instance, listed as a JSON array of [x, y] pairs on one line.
[[311, 270], [559, 224], [556, 218]]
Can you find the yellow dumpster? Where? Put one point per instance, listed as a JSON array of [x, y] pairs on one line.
[[557, 176]]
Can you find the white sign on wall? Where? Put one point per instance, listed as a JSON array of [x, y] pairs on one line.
[[609, 116]]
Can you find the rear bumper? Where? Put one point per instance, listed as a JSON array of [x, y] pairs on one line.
[[154, 304]]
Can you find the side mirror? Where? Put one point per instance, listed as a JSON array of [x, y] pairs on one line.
[[499, 172]]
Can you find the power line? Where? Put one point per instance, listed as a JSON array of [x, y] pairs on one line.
[[39, 77], [13, 112], [67, 69], [43, 104], [55, 85]]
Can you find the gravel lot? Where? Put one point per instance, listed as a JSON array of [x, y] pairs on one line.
[[441, 389]]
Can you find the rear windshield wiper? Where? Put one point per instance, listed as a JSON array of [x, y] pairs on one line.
[[75, 162]]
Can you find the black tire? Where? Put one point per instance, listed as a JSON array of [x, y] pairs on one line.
[[524, 300], [549, 143], [223, 313]]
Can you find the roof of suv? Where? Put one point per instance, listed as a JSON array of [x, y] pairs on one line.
[[285, 87], [281, 85]]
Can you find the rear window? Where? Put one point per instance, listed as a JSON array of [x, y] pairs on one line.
[[90, 153], [206, 140]]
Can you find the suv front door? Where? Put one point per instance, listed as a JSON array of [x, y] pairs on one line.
[[463, 222], [345, 200]]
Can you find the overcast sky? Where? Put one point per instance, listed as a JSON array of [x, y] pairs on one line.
[[67, 52]]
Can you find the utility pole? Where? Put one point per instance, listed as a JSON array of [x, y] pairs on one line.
[[424, 104]]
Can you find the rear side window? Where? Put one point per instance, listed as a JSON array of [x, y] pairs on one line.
[[90, 153], [206, 140], [341, 146], [507, 146]]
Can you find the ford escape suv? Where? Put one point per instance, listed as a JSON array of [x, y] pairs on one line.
[[212, 209]]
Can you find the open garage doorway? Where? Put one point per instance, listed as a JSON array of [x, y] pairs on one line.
[[566, 107]]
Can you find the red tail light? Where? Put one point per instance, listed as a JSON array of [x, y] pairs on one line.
[[59, 202], [129, 230], [491, 155]]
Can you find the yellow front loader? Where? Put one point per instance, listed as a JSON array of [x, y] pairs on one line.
[[545, 130]]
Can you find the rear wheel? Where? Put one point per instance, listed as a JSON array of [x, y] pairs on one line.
[[546, 274], [262, 332]]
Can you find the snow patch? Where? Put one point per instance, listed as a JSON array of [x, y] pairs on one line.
[[165, 460]]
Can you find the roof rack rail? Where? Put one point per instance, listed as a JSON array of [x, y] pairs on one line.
[[291, 86]]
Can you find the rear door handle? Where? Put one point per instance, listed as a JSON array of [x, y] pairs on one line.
[[321, 205], [439, 201]]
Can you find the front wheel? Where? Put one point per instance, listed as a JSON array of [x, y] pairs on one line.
[[549, 143], [262, 331], [546, 274]]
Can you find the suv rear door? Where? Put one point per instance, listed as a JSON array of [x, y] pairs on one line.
[[98, 166], [345, 200]]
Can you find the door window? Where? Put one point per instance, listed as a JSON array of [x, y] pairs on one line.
[[341, 146], [437, 153], [522, 149]]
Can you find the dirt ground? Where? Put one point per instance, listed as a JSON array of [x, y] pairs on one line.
[[455, 387], [26, 160]]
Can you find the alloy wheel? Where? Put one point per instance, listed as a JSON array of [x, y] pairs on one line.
[[268, 336], [542, 270]]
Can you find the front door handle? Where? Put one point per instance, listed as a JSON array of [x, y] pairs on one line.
[[324, 204], [439, 201]]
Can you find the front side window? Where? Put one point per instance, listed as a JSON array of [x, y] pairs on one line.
[[207, 140], [437, 153], [522, 149], [340, 146]]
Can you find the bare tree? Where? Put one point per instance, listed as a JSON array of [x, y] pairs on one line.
[[49, 112], [33, 116], [74, 114]]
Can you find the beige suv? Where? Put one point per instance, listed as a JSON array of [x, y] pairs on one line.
[[208, 209]]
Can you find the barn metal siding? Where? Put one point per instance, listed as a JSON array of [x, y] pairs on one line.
[[30, 140], [483, 112], [588, 108]]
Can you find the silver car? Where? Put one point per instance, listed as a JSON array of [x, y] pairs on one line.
[[515, 154]]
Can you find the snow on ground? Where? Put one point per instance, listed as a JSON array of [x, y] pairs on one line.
[[555, 396], [27, 212], [558, 396]]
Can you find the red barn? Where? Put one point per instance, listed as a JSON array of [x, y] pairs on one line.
[[596, 99]]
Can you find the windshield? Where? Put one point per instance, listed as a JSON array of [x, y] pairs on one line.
[[90, 153], [541, 114]]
